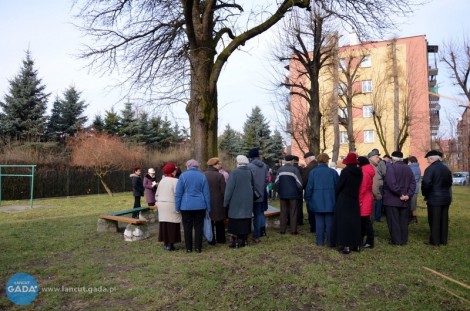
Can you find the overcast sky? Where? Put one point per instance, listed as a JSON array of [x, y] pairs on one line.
[[45, 28]]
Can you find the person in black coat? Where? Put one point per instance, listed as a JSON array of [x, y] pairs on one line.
[[347, 218], [137, 188], [436, 189]]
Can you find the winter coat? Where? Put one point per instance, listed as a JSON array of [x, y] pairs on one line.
[[306, 172], [149, 188], [137, 185], [417, 173], [192, 191], [398, 181], [165, 200], [347, 218], [320, 191], [216, 183], [288, 182], [260, 172], [437, 184], [238, 196], [378, 181], [366, 198]]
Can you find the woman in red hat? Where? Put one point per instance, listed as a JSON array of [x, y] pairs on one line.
[[169, 231], [347, 221]]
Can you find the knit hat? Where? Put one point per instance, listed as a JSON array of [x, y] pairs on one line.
[[241, 159], [192, 163], [151, 171], [253, 153], [363, 161], [351, 158], [169, 168]]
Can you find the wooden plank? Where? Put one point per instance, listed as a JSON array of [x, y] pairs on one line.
[[129, 220], [129, 211], [272, 211]]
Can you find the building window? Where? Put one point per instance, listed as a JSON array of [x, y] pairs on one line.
[[367, 111], [343, 137], [366, 61], [366, 86], [368, 136]]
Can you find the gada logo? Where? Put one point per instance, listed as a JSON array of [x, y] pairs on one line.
[[22, 289]]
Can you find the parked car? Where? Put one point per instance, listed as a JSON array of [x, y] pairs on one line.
[[460, 178]]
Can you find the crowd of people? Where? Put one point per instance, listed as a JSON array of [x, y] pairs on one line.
[[342, 205]]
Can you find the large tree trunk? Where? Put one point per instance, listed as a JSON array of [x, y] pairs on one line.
[[202, 109]]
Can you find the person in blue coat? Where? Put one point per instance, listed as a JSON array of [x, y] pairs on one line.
[[320, 194], [192, 199]]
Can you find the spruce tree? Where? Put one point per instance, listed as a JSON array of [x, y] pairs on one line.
[[112, 122], [276, 150], [98, 123], [256, 132], [24, 108], [230, 141], [129, 124], [67, 115]]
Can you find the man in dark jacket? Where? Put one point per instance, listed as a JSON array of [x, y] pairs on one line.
[[260, 172], [300, 200], [436, 189], [217, 185], [137, 188], [311, 163], [399, 188], [289, 186]]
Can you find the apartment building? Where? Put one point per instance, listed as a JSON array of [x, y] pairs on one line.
[[376, 95]]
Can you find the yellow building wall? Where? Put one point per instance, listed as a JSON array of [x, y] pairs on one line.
[[411, 55]]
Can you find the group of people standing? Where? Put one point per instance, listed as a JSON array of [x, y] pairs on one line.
[[345, 205], [188, 197], [341, 207]]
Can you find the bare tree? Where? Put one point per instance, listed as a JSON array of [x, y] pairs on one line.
[[176, 50], [349, 87], [311, 46], [306, 43], [456, 55]]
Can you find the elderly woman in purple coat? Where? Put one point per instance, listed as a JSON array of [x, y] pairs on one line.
[[150, 187]]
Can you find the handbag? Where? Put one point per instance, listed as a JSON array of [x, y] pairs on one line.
[[207, 227]]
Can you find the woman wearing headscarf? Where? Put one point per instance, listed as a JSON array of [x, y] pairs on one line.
[[366, 201], [192, 199], [347, 219], [150, 186], [169, 219], [238, 199], [217, 189]]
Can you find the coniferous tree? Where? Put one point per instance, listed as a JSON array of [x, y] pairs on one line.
[[25, 106], [67, 117], [129, 124], [230, 141], [275, 152], [112, 122], [98, 123], [256, 132]]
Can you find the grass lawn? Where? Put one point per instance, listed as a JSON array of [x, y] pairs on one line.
[[59, 246]]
